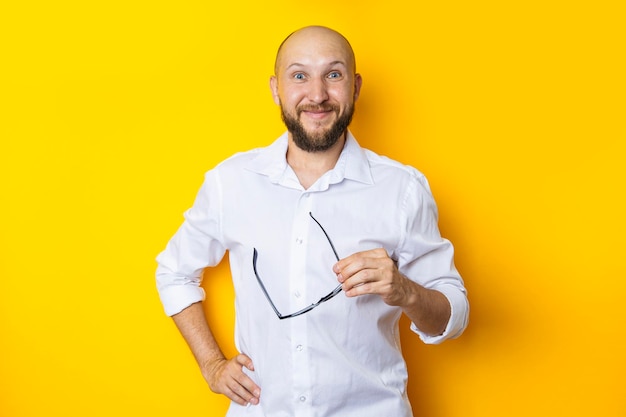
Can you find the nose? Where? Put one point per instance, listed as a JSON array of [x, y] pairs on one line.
[[317, 91]]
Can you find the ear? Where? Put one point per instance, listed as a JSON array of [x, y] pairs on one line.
[[357, 85], [274, 89]]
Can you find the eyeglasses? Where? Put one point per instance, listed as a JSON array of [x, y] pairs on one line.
[[325, 298]]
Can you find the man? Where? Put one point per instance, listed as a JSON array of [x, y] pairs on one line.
[[329, 244]]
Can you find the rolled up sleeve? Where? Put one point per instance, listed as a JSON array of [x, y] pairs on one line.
[[195, 246], [428, 259]]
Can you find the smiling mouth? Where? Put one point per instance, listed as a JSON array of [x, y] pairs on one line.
[[317, 111]]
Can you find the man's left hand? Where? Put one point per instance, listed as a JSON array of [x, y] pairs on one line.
[[374, 272]]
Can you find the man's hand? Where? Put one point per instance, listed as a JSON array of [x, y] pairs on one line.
[[226, 376], [374, 272]]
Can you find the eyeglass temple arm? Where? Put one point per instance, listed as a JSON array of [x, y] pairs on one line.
[[325, 234], [254, 256], [337, 290]]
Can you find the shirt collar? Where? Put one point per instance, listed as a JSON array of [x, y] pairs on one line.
[[352, 164]]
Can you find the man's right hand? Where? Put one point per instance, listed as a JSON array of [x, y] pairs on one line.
[[226, 376]]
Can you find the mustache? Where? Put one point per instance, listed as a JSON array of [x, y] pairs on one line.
[[317, 108]]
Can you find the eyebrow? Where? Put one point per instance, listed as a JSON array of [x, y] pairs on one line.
[[330, 64]]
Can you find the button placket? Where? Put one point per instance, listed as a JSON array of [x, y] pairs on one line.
[[298, 255], [299, 300]]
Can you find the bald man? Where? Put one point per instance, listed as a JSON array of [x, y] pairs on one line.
[[329, 244]]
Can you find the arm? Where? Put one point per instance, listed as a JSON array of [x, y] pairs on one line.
[[224, 376], [198, 244], [373, 272]]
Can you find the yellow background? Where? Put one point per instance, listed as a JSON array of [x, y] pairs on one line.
[[112, 111]]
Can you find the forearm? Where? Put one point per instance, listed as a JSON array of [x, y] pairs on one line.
[[192, 324], [428, 309], [224, 376]]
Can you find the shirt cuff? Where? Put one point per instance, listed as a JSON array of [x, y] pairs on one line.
[[459, 312], [176, 298]]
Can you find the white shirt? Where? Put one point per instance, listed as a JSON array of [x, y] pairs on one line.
[[342, 358]]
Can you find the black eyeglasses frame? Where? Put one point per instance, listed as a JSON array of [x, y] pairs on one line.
[[325, 298]]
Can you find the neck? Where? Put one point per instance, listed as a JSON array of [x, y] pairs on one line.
[[310, 166]]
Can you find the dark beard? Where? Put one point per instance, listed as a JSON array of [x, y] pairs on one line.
[[322, 141]]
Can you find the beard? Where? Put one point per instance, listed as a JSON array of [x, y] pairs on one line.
[[317, 142]]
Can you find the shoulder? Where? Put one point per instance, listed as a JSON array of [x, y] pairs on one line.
[[383, 167], [238, 160], [262, 160]]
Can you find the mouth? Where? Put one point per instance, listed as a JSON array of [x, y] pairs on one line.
[[317, 112]]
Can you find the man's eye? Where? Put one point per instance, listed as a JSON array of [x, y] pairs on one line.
[[334, 74], [299, 76]]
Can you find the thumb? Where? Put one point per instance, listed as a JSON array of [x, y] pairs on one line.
[[245, 360]]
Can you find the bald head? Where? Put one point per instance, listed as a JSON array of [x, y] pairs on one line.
[[314, 38]]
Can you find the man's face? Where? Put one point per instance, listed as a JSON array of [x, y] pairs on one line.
[[316, 87]]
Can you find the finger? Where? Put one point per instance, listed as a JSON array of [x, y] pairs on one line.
[[359, 279], [363, 271], [251, 391], [244, 360], [246, 381], [233, 396], [360, 289], [238, 387], [363, 288], [344, 263], [349, 267], [241, 394], [370, 259], [232, 381], [372, 279]]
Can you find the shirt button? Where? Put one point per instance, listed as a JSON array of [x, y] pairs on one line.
[[303, 398], [299, 348], [299, 241], [297, 294]]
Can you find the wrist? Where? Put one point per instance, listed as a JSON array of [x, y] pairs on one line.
[[210, 368]]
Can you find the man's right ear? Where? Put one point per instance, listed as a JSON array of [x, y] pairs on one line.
[[274, 88]]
